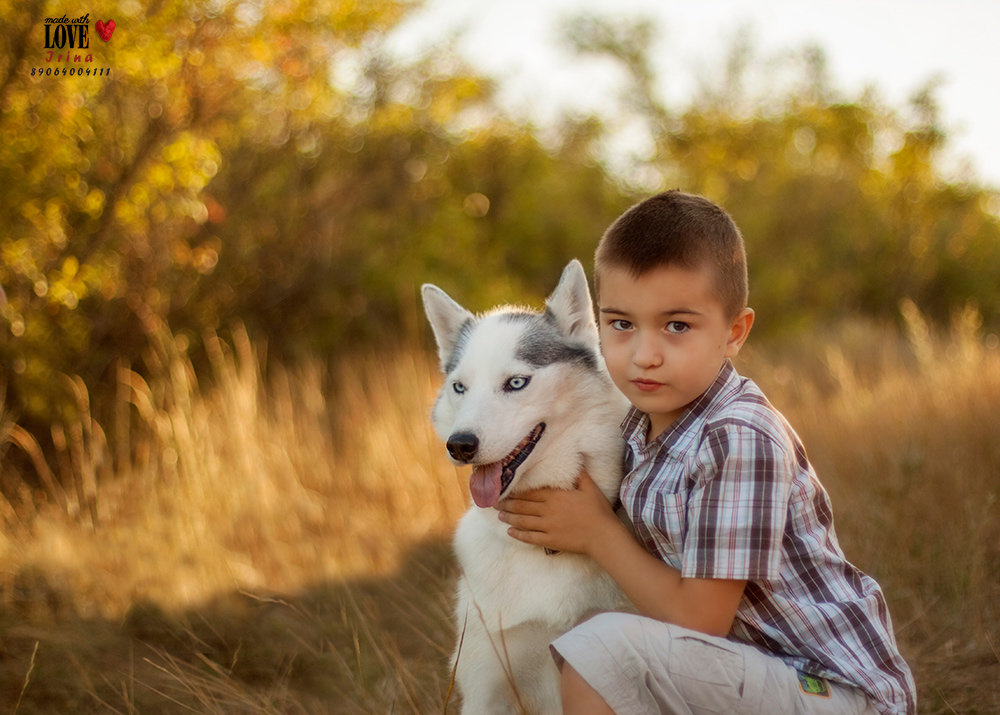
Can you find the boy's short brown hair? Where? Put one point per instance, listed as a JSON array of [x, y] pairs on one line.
[[675, 228]]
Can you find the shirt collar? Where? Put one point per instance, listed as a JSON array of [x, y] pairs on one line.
[[635, 426]]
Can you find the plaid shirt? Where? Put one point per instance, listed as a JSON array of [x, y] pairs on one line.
[[727, 492]]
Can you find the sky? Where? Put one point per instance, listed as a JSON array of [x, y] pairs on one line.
[[896, 46]]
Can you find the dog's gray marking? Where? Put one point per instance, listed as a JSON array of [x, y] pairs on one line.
[[461, 338], [543, 345]]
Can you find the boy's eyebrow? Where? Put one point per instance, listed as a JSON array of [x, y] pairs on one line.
[[664, 314]]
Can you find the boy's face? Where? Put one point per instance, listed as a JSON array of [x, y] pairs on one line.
[[664, 336]]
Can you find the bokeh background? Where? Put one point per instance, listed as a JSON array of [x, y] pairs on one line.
[[218, 487]]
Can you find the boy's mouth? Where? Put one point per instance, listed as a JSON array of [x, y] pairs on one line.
[[489, 481], [647, 385]]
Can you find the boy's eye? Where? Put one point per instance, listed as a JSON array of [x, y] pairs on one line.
[[620, 324], [677, 327]]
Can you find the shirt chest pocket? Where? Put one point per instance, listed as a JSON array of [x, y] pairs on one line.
[[665, 518]]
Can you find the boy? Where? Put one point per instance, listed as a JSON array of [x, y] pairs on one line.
[[746, 601]]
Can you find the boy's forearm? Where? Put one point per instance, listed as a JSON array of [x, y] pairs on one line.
[[659, 591]]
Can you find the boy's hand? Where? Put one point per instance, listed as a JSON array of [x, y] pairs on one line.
[[561, 519], [581, 521]]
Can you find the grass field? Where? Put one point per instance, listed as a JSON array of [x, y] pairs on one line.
[[280, 545]]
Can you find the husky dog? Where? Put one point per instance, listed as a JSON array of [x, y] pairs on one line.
[[527, 401]]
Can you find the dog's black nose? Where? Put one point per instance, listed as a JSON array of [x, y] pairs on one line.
[[462, 446]]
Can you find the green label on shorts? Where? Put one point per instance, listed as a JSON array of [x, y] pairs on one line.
[[812, 685]]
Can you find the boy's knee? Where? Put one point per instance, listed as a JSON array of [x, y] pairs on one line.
[[639, 644], [624, 634], [611, 626]]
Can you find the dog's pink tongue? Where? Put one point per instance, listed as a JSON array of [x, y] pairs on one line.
[[485, 484]]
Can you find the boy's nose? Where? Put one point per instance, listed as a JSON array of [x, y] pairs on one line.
[[647, 353]]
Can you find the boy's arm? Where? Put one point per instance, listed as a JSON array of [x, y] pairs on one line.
[[581, 521]]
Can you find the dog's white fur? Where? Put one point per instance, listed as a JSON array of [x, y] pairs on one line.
[[513, 598]]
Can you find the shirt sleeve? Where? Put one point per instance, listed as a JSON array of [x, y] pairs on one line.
[[738, 505]]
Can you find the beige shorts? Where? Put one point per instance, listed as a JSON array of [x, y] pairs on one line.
[[640, 665]]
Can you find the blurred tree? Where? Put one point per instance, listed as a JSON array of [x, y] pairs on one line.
[[270, 163], [266, 163], [104, 207], [844, 203], [420, 178]]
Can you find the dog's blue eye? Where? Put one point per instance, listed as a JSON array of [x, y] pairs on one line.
[[518, 382], [458, 387]]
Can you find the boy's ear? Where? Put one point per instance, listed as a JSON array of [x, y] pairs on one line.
[[447, 319], [570, 305], [739, 331]]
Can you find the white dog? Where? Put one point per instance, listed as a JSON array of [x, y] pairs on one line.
[[527, 402]]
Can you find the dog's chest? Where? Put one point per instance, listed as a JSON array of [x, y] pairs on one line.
[[522, 583]]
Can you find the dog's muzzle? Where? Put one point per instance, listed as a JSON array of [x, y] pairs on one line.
[[489, 481]]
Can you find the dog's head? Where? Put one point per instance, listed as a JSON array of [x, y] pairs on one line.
[[509, 380]]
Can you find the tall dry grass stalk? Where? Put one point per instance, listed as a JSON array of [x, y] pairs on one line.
[[314, 484], [241, 485], [245, 544]]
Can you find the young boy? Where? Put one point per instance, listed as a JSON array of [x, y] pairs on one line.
[[746, 601]]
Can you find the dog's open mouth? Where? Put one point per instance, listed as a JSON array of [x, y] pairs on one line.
[[489, 481]]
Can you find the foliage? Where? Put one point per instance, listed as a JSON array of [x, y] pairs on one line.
[[272, 165], [844, 203], [268, 164]]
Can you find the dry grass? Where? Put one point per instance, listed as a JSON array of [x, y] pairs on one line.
[[256, 542], [280, 545]]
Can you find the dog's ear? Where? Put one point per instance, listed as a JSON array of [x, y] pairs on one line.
[[570, 305], [447, 319]]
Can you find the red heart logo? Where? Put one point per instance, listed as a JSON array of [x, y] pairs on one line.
[[104, 29]]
